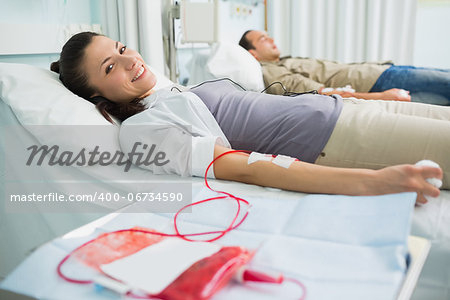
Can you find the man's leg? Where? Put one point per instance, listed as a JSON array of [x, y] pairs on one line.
[[426, 85]]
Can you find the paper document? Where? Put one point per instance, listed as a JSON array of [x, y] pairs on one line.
[[153, 268]]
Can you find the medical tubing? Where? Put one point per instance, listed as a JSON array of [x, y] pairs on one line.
[[227, 195], [248, 275], [299, 283], [177, 234], [217, 80], [286, 92]]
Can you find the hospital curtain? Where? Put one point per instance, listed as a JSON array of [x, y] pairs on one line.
[[136, 23], [345, 30]]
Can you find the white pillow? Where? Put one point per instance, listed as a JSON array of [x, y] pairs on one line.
[[233, 61], [37, 97]]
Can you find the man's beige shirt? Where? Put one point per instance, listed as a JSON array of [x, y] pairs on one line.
[[306, 74]]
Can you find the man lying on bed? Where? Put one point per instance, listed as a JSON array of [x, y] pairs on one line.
[[383, 81]]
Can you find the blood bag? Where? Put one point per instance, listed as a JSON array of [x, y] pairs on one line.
[[130, 257]]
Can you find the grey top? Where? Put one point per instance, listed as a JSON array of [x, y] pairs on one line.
[[297, 126]]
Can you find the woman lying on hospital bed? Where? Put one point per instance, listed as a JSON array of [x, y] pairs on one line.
[[340, 150]]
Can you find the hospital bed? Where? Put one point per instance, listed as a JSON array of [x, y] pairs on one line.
[[229, 60], [340, 247], [226, 60]]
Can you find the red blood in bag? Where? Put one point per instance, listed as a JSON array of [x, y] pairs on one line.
[[207, 276], [110, 247]]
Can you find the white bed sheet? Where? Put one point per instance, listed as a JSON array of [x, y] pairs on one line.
[[312, 239], [430, 221], [22, 231]]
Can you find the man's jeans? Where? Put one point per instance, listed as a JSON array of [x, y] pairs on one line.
[[426, 85]]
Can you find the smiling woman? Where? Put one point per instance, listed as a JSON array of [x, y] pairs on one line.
[[202, 124], [105, 72]]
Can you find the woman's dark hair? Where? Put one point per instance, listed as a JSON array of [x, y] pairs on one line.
[[245, 43], [70, 67], [72, 75]]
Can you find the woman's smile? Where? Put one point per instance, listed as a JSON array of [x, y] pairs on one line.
[[139, 74]]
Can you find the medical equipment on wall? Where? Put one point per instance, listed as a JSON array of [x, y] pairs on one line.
[[198, 25], [194, 25], [198, 21]]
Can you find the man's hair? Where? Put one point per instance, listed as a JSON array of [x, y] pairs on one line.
[[245, 43]]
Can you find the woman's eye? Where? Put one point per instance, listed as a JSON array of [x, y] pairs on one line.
[[109, 68], [122, 50]]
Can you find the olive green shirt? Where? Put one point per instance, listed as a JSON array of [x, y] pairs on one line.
[[305, 74]]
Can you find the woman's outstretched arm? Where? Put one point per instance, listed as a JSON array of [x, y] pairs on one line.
[[311, 178]]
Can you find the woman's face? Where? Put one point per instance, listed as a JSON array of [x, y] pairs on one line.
[[116, 72]]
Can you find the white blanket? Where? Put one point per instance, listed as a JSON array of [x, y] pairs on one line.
[[338, 246]]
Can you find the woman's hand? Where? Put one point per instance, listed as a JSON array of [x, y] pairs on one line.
[[408, 178]]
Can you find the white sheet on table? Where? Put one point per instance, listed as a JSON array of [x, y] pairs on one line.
[[339, 259]]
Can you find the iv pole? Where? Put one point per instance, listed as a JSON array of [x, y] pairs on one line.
[[174, 13]]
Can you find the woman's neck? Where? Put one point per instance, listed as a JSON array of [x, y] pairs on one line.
[[147, 94]]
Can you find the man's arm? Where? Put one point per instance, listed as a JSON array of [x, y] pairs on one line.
[[296, 82], [392, 94], [291, 81]]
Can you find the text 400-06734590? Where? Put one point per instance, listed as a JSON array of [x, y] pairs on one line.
[[155, 197]]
